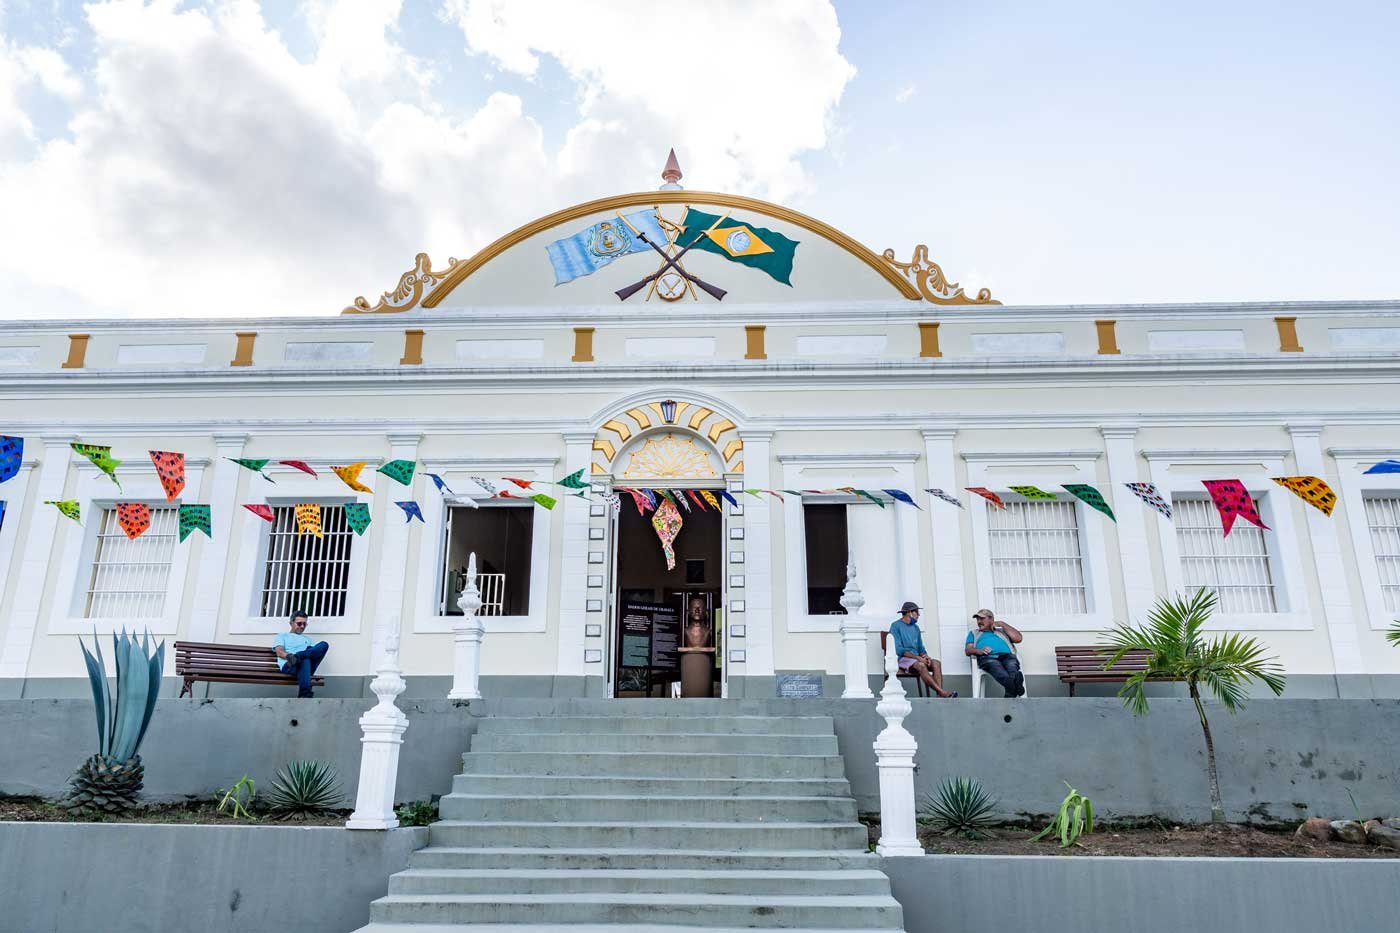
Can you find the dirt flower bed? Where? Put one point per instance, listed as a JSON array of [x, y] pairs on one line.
[[34, 809], [1154, 839]]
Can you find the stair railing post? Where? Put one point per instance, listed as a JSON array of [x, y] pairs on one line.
[[894, 756], [382, 728], [855, 632], [467, 633]]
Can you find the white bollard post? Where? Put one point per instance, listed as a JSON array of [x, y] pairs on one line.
[[467, 633], [382, 729], [854, 634], [894, 756]]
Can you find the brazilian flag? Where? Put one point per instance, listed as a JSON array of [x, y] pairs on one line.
[[755, 247]]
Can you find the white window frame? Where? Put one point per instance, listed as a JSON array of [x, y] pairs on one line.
[[1352, 462], [457, 475], [1181, 472], [293, 487], [871, 471], [999, 470], [93, 490]]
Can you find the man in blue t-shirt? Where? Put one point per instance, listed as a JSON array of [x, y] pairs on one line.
[[991, 645], [297, 654], [909, 649]]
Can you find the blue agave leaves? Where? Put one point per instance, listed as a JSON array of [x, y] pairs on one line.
[[123, 718]]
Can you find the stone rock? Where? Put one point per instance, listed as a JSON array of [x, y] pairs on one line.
[[1392, 823], [1315, 828], [1348, 831], [1385, 837], [1370, 825]]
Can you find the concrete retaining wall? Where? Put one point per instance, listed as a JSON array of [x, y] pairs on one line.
[[1279, 760], [959, 894], [214, 879]]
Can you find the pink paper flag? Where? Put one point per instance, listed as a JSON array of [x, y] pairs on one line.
[[261, 510], [1232, 500], [298, 465]]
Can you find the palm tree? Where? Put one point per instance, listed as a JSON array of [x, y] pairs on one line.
[[1393, 636], [1177, 650]]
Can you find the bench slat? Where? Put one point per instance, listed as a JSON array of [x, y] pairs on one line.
[[233, 664]]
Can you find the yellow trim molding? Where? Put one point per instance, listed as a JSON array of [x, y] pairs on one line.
[[77, 351], [412, 348], [243, 353], [623, 431], [928, 339], [753, 342], [1288, 335], [1108, 336], [583, 345], [930, 282]]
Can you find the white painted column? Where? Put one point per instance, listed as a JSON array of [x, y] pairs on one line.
[[758, 555], [382, 729], [468, 631], [393, 548], [213, 565], [1327, 553], [894, 756], [855, 632], [14, 492], [946, 523], [36, 555], [573, 570], [1133, 556]]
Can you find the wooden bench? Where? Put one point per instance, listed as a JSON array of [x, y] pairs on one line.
[[884, 638], [230, 664], [1084, 664]]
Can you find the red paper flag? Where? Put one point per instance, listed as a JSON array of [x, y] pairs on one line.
[[170, 467], [522, 483], [694, 497], [1233, 500], [987, 494], [298, 465], [134, 517], [261, 511]]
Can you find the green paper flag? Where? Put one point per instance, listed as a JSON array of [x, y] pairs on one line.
[[573, 481], [865, 494], [253, 464], [400, 471], [357, 516], [1032, 492], [1090, 497], [101, 457], [547, 501], [194, 518], [68, 507]]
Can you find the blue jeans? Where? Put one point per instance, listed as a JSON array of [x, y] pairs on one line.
[[1005, 669], [304, 664]]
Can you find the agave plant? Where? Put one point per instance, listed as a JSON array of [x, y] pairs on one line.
[[110, 781], [960, 806], [304, 788], [1075, 817]]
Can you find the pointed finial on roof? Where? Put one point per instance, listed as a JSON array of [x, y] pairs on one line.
[[671, 174]]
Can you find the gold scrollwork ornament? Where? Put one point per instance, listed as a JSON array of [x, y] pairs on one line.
[[414, 286], [929, 279]]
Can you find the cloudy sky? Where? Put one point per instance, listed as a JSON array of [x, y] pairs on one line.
[[237, 157]]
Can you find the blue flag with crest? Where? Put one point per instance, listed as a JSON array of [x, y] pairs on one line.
[[594, 247]]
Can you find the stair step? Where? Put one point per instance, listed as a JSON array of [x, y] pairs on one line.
[[658, 835], [595, 808], [651, 725], [651, 926], [669, 742], [638, 881], [641, 787], [527, 859], [674, 764]]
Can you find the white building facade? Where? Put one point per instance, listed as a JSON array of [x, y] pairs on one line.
[[868, 372]]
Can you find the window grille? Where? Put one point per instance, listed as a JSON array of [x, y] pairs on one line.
[[130, 576], [1236, 566], [1037, 567], [1383, 517], [303, 572]]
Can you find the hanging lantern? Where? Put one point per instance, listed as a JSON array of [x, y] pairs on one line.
[[668, 410]]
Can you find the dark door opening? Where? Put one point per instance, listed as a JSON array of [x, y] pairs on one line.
[[665, 617]]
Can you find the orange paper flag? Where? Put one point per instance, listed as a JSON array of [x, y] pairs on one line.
[[350, 475], [170, 467], [309, 519], [134, 517]]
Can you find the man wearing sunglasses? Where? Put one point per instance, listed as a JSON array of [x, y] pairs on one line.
[[991, 645], [298, 655]]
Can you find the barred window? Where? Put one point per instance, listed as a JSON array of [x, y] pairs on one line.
[[1236, 566], [303, 572], [130, 576], [1037, 566], [1383, 517]]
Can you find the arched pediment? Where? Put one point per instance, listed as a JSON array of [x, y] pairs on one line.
[[668, 438]]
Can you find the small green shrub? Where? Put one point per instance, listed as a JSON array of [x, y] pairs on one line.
[[960, 806], [304, 788], [1392, 635], [237, 801], [1075, 818], [417, 812]]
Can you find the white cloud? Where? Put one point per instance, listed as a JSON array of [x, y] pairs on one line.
[[902, 95]]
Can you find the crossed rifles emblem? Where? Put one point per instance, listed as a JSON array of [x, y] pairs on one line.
[[670, 263]]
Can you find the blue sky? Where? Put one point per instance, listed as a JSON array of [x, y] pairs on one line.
[[284, 157]]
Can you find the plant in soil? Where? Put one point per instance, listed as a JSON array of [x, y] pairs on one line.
[[1075, 817], [304, 788], [1393, 634], [237, 801], [1177, 650], [417, 812], [961, 806], [110, 781]]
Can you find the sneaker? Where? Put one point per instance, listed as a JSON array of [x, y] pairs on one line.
[[1020, 684]]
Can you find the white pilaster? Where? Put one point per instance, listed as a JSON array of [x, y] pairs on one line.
[[1134, 558], [393, 548], [36, 556], [573, 571], [1327, 554], [213, 565], [758, 554], [946, 522], [15, 494]]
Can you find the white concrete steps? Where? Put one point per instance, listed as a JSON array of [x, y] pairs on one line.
[[640, 881]]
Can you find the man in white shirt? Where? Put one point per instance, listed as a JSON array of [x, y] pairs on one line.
[[298, 655]]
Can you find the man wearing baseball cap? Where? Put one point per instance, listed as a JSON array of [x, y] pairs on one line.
[[909, 647], [991, 645]]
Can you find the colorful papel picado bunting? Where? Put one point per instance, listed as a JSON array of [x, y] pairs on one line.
[[678, 497], [411, 511], [899, 495], [724, 493], [754, 492], [350, 476], [1031, 492], [667, 522], [694, 496], [1090, 497], [2, 514], [940, 494], [643, 506], [357, 516], [195, 518], [574, 480], [1311, 489], [134, 518], [100, 457], [400, 471], [308, 515], [68, 507], [301, 465], [1233, 501], [710, 498], [254, 464], [1385, 466], [170, 467], [864, 494], [741, 242], [442, 487], [545, 501], [485, 484], [11, 456], [261, 510], [987, 494], [1148, 493]]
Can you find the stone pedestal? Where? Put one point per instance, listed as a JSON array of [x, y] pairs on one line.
[[697, 672]]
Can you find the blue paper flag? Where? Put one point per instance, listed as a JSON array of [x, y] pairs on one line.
[[902, 496], [11, 453], [728, 498], [441, 486], [650, 496], [1386, 466], [410, 511], [2, 514]]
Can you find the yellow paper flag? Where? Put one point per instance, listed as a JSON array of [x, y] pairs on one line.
[[350, 475], [309, 519], [1311, 489]]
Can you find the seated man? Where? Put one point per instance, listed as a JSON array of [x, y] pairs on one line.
[[909, 648], [298, 655], [991, 645]]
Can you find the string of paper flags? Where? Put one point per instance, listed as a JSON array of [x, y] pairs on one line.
[[1230, 496]]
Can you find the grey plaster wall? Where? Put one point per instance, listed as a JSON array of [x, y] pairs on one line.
[[993, 894], [60, 877]]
